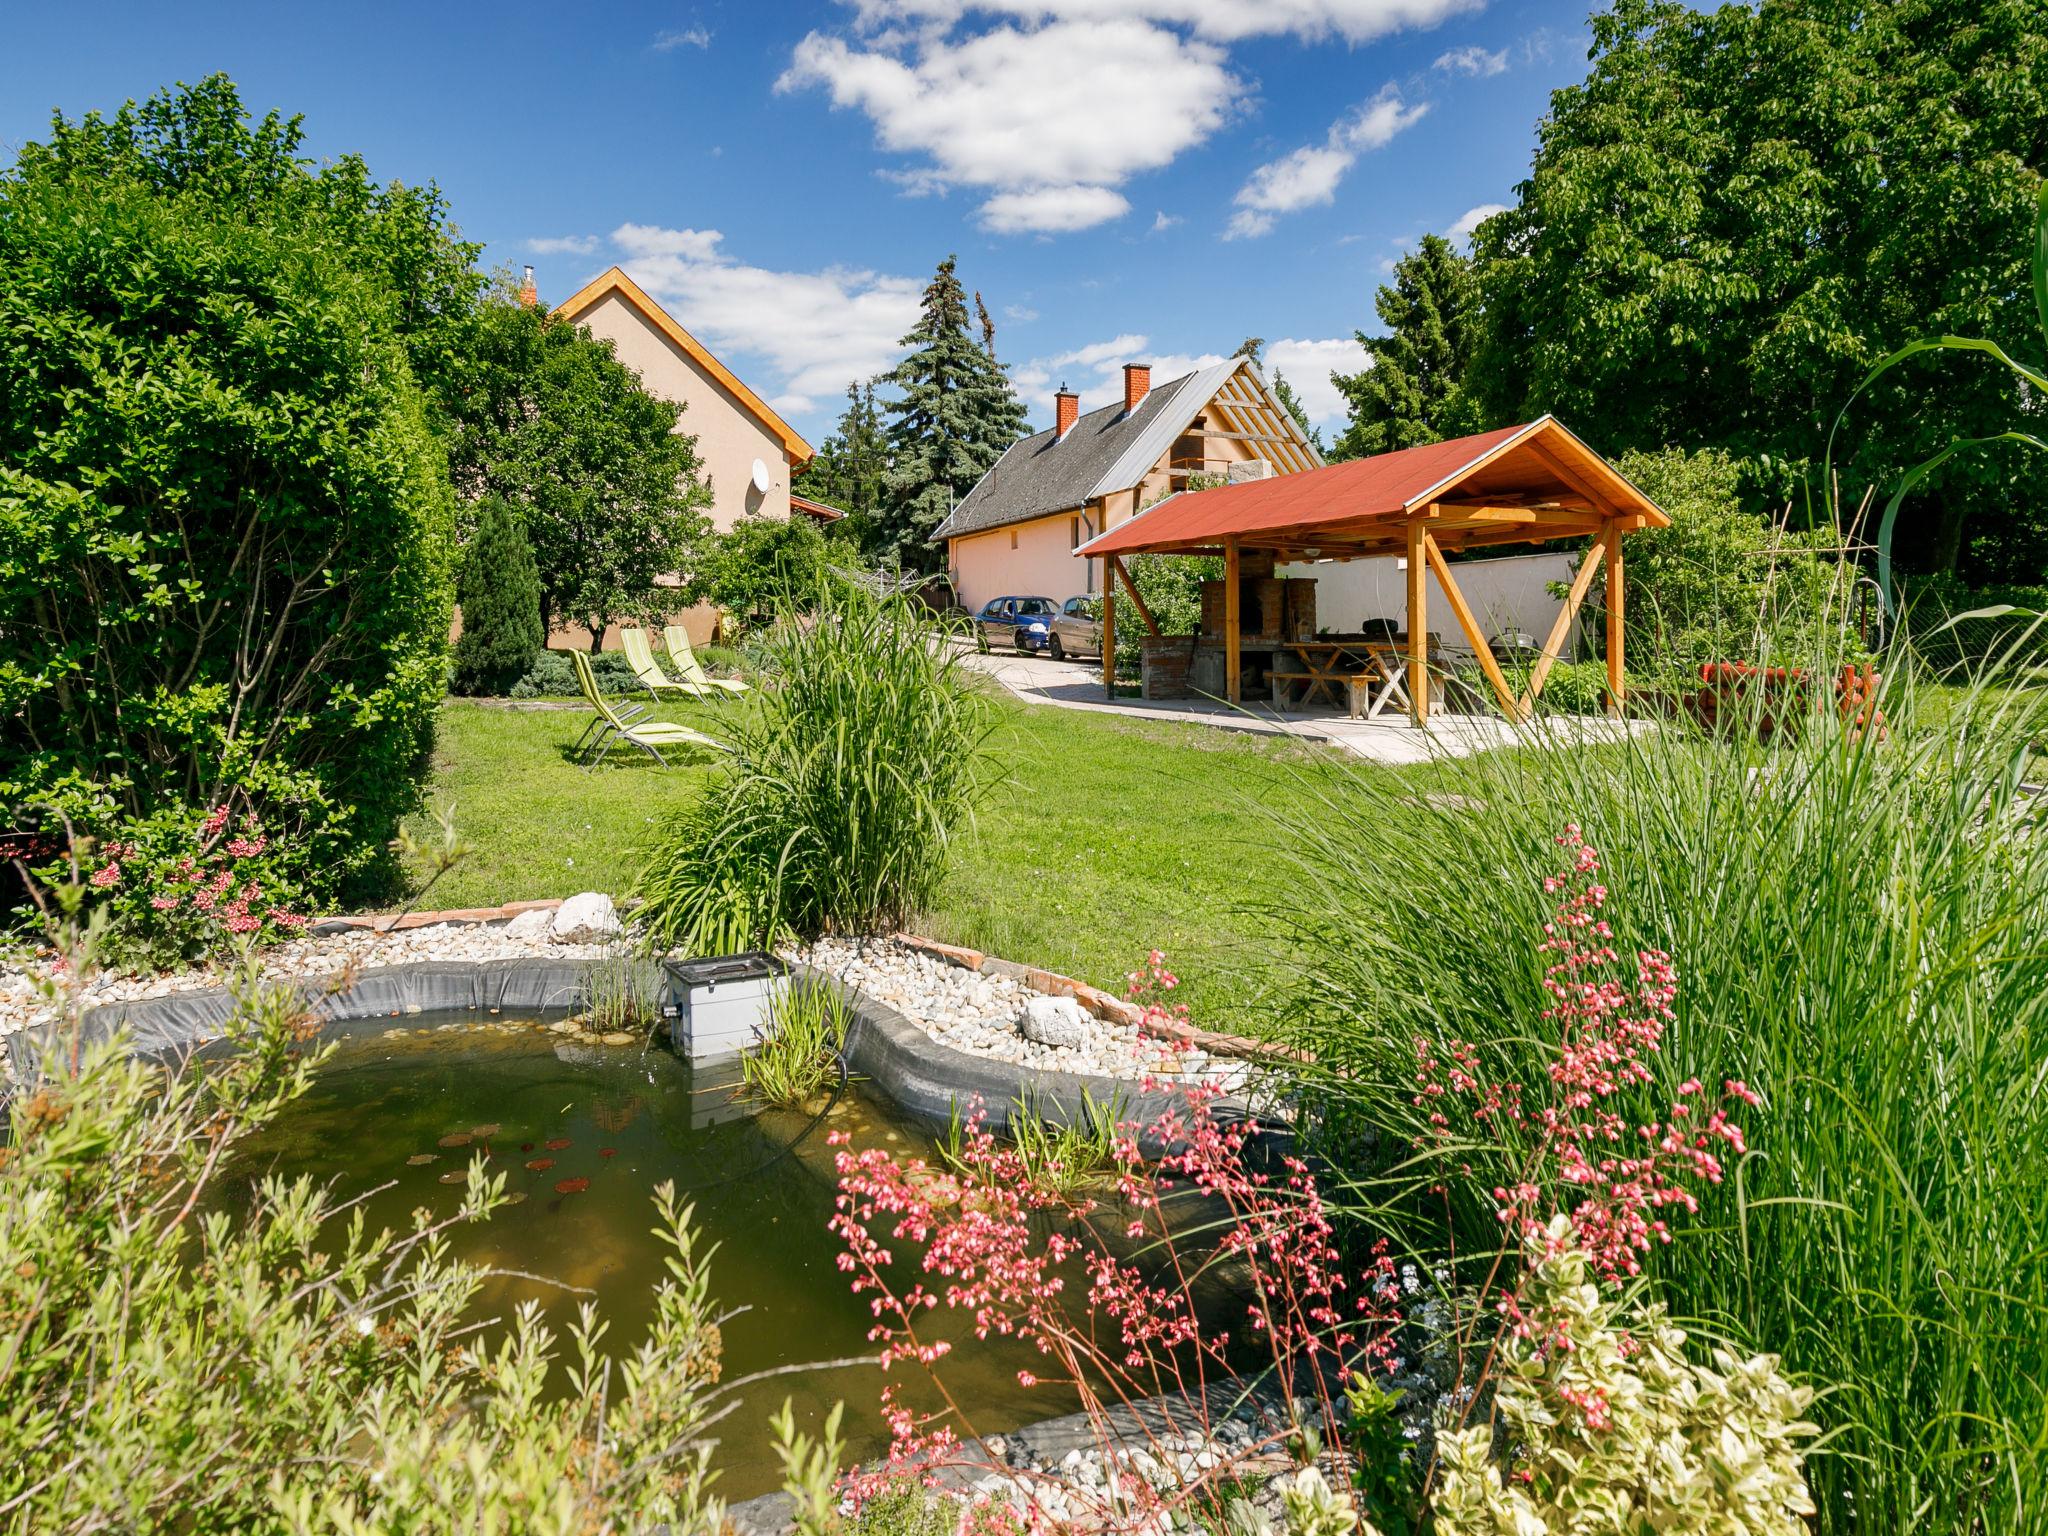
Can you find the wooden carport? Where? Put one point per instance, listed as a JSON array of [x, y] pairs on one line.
[[1527, 484]]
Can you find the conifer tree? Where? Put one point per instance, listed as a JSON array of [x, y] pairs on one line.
[[498, 589], [955, 415], [1414, 391], [848, 470]]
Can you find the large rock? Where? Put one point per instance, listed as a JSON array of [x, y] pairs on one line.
[[1054, 1021], [588, 918], [535, 923]]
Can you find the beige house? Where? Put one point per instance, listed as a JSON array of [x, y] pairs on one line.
[[1015, 533], [747, 451]]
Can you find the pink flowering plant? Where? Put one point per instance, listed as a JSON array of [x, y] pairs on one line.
[[1300, 1371], [182, 886]]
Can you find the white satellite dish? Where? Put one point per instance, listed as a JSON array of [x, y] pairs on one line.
[[760, 477]]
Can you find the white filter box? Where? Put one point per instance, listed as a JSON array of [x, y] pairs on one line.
[[722, 1005]]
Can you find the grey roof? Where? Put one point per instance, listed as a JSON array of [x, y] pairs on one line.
[[1106, 451]]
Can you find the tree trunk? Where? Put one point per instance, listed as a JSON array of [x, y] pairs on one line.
[[1952, 516], [596, 636]]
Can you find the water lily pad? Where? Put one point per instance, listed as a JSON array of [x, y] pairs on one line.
[[541, 1164], [422, 1157], [558, 1143], [456, 1139], [571, 1186], [485, 1132], [607, 1151], [455, 1176], [515, 1197]]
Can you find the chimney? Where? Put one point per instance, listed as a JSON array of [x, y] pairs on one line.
[[528, 294], [1066, 411], [1137, 383]]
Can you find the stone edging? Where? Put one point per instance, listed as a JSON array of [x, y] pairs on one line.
[[403, 922]]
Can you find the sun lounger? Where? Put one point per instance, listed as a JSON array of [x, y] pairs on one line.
[[613, 725], [640, 657], [692, 670]]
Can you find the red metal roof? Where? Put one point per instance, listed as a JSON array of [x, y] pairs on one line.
[[822, 511], [1385, 485]]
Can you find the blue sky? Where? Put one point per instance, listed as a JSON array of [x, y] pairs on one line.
[[1124, 180]]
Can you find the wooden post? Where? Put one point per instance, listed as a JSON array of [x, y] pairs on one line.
[[1616, 688], [1232, 624], [1109, 632], [1418, 623], [1463, 613], [1553, 644], [1116, 563]]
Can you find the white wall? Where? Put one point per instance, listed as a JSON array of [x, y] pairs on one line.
[[1041, 563], [1511, 593]]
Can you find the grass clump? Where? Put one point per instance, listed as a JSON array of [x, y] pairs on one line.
[[1057, 1158], [621, 992], [799, 1059], [1860, 930], [848, 781]]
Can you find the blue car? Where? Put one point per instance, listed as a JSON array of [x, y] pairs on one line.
[[1025, 622]]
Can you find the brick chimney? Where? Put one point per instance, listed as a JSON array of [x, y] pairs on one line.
[[528, 294], [1066, 411], [1137, 384]]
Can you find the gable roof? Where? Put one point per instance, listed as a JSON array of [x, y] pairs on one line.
[[1108, 450], [615, 281], [1516, 484]]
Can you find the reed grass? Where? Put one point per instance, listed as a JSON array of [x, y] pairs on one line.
[[798, 1059], [1860, 928]]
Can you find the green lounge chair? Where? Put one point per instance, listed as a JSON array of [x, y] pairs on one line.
[[686, 662], [612, 725], [640, 657]]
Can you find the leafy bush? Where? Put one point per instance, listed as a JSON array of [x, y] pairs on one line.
[[224, 519], [1930, 604], [186, 1354], [498, 592], [749, 571], [847, 782], [552, 675], [1172, 588], [1864, 924], [1576, 688]]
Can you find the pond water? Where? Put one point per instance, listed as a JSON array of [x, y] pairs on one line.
[[625, 1119]]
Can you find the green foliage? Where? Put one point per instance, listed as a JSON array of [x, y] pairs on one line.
[[1612, 1426], [954, 415], [850, 468], [552, 675], [753, 568], [1172, 588], [798, 1060], [1058, 1159], [224, 519], [1574, 688], [198, 1346], [498, 592], [1860, 933], [1739, 211], [1414, 390], [848, 780], [906, 1508], [612, 493], [622, 992], [1720, 584]]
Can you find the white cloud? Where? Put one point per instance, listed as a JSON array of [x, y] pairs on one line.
[[814, 332], [1307, 366], [1051, 210], [1310, 174], [1095, 372], [1472, 218], [681, 37], [1052, 118], [1163, 221], [1020, 314], [563, 245], [1355, 21], [1472, 60]]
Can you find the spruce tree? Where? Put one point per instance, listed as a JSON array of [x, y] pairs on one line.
[[1414, 392], [956, 414], [847, 471], [499, 593]]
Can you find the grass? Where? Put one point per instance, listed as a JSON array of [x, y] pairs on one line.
[[797, 1061], [1106, 836]]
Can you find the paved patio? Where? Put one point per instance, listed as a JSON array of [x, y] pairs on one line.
[[1389, 740]]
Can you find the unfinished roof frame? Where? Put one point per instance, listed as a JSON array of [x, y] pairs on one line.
[[1527, 484]]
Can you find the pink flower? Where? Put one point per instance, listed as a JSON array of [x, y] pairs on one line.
[[108, 874], [246, 847]]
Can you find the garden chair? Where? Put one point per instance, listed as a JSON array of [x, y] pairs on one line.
[[686, 662], [640, 657], [614, 725]]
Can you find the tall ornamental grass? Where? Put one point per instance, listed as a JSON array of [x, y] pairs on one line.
[[1860, 928], [859, 761]]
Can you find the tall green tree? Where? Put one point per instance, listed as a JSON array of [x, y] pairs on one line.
[[849, 469], [498, 591], [955, 413], [1739, 211], [612, 493], [1415, 388]]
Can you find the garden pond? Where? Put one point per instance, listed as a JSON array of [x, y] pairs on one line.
[[584, 1133]]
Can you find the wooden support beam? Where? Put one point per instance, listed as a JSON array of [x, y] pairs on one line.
[[1232, 624], [1109, 631], [1571, 476], [1470, 625], [1418, 620], [1116, 564], [1616, 688], [1241, 437], [1561, 626]]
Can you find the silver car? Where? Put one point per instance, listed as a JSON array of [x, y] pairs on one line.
[[1076, 629]]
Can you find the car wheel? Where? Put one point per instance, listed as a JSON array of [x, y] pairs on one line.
[[1055, 650]]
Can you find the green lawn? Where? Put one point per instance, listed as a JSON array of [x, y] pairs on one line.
[[1105, 837]]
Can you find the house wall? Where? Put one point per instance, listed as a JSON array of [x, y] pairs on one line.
[[1511, 593]]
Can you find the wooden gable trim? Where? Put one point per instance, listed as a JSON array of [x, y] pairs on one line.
[[615, 281]]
